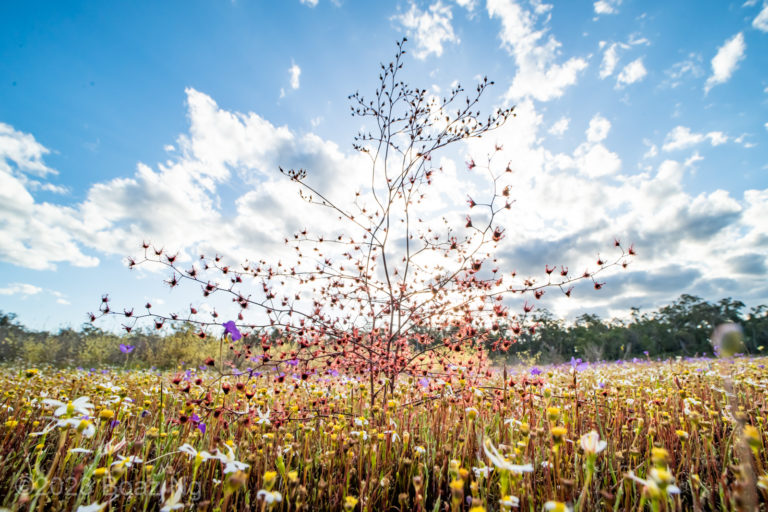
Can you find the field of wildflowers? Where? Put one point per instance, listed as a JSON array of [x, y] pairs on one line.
[[373, 389], [680, 434]]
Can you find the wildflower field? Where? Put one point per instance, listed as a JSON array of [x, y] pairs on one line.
[[640, 435]]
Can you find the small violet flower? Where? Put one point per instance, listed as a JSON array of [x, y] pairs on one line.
[[231, 329]]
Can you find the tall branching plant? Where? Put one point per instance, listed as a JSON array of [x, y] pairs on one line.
[[388, 292]]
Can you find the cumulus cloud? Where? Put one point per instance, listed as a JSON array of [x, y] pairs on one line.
[[725, 62], [295, 72], [431, 28], [610, 59], [177, 204], [311, 3], [632, 72], [23, 152], [220, 192], [560, 126], [539, 76], [20, 289], [592, 158], [562, 216], [598, 128], [467, 4], [761, 20], [681, 137], [35, 235], [690, 66], [606, 6]]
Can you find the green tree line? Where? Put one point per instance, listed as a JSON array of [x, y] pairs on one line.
[[681, 328]]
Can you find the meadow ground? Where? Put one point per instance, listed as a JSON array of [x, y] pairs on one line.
[[682, 434]]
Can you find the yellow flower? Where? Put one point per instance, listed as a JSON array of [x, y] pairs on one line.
[[659, 456], [350, 502], [269, 479], [106, 414], [752, 436], [558, 433], [11, 424], [553, 413], [100, 472]]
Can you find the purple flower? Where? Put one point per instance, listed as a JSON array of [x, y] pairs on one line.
[[231, 329], [126, 349], [194, 418], [578, 365], [293, 362], [114, 423], [333, 373], [201, 427], [424, 382], [535, 371]]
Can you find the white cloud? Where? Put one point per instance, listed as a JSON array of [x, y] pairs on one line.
[[177, 205], [636, 39], [219, 192], [761, 20], [610, 60], [311, 3], [691, 160], [20, 289], [564, 217], [653, 150], [606, 6], [592, 158], [35, 235], [595, 160], [430, 28], [598, 128], [717, 138], [560, 126], [726, 61], [679, 70], [538, 75], [23, 152], [632, 72], [295, 72], [467, 4], [681, 137]]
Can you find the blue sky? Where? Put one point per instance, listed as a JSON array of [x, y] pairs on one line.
[[166, 121]]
